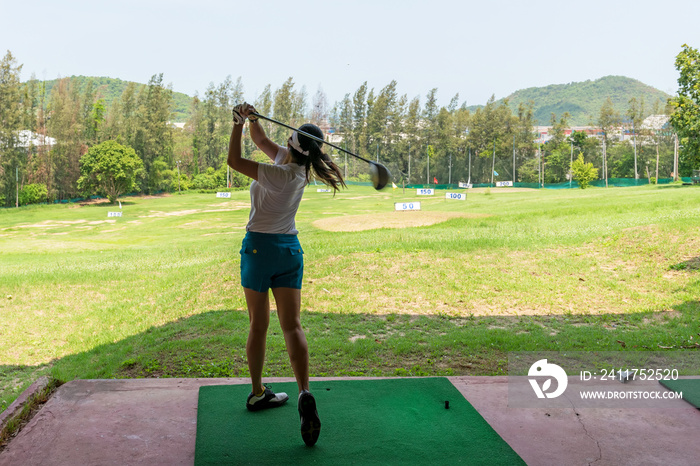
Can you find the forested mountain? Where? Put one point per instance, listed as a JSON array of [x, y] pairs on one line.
[[584, 100], [110, 89]]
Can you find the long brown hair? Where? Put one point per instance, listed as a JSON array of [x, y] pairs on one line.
[[324, 168]]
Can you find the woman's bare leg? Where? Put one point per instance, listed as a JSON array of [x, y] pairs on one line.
[[259, 315], [288, 302]]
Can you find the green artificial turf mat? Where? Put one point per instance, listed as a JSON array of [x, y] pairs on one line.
[[689, 387], [386, 421]]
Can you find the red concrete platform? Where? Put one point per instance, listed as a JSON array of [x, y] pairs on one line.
[[153, 422]]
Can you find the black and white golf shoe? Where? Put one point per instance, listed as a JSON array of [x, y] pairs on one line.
[[268, 399], [310, 422]]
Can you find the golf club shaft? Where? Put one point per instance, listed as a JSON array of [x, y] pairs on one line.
[[315, 138]]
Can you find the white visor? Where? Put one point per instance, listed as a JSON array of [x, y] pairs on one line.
[[294, 142]]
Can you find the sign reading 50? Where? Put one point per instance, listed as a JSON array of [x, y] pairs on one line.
[[407, 206]]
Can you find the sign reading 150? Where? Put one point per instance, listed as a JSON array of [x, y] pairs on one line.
[[426, 192]]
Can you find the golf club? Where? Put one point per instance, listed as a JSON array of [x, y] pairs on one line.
[[379, 174]]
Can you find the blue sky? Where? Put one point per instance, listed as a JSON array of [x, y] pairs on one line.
[[476, 49]]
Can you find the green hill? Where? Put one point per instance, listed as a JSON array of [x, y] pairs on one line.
[[111, 88], [583, 100]]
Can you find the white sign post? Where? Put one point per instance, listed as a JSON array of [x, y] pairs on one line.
[[224, 195], [425, 191], [456, 196], [401, 206], [114, 214], [502, 184]]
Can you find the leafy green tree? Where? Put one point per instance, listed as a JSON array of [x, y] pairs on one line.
[[359, 130], [583, 172], [430, 112], [412, 128], [95, 121], [685, 118], [579, 139], [635, 116], [491, 130], [461, 118], [283, 110], [87, 100], [343, 122], [66, 126], [366, 148], [38, 157], [154, 139], [213, 126], [299, 107], [12, 156], [129, 120], [621, 160], [206, 180], [33, 194], [109, 169], [228, 94], [444, 145], [31, 101], [196, 127], [524, 129], [161, 176], [558, 128], [558, 162], [383, 126], [263, 104], [608, 119], [395, 151], [182, 148], [557, 151]]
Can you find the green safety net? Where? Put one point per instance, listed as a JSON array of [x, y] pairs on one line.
[[611, 182]]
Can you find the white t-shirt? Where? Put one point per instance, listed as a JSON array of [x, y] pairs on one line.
[[275, 196]]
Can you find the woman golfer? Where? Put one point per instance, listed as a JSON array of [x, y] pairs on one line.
[[271, 256]]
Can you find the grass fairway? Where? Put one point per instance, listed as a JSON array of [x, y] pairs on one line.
[[447, 290]]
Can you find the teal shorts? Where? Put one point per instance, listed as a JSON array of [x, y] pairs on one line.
[[271, 261]]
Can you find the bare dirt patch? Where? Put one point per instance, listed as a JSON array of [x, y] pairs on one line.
[[63, 223], [389, 220], [231, 206], [88, 202]]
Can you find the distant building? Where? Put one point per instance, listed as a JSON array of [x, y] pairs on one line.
[[29, 138], [656, 122], [622, 133], [542, 133]]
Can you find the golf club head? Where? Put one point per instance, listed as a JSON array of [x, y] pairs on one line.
[[379, 175]]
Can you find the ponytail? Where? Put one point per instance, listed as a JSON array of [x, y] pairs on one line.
[[323, 167]]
